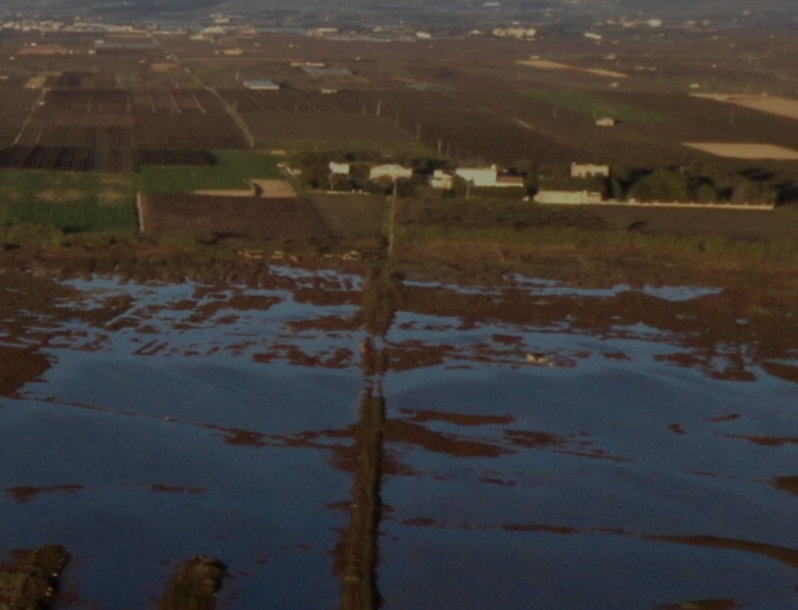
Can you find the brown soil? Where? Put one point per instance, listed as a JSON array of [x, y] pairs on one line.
[[195, 585], [742, 150], [18, 366], [30, 580]]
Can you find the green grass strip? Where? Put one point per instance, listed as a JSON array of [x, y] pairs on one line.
[[597, 106]]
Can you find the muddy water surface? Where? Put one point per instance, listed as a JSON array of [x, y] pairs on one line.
[[533, 445]]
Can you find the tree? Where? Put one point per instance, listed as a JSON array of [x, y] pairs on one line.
[[662, 184], [706, 193]]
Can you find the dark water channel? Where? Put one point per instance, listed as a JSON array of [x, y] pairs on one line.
[[533, 446]]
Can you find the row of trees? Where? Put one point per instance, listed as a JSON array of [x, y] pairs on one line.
[[684, 185], [663, 184]]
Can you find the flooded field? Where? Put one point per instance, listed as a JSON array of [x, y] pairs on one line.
[[348, 442]]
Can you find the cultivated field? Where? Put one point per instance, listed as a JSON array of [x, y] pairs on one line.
[[352, 216], [745, 151], [181, 118], [245, 216], [544, 64], [773, 105]]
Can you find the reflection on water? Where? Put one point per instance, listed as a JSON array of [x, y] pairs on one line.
[[356, 442]]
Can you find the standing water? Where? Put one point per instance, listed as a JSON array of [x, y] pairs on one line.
[[531, 446]]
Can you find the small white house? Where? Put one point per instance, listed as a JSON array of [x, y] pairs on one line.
[[340, 168], [589, 170], [478, 176], [262, 85], [441, 180], [390, 170], [605, 121], [487, 177]]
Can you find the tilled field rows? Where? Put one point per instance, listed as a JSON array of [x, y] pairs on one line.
[[182, 131], [254, 216], [87, 159], [99, 102]]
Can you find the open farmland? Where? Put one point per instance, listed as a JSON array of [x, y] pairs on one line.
[[596, 106], [251, 216], [69, 201], [745, 151], [112, 130], [542, 64], [227, 170], [296, 119], [773, 105], [352, 216], [15, 104], [101, 159]]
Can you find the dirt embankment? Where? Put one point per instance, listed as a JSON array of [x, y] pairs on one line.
[[29, 579]]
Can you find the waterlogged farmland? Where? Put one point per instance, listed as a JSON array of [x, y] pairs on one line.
[[348, 441]]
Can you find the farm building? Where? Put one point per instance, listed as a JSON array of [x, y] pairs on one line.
[[441, 180], [322, 71], [605, 121], [510, 180], [568, 197], [127, 45], [324, 31], [390, 170], [488, 177], [340, 168], [589, 170], [261, 85]]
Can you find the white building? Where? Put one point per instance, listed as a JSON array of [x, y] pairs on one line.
[[262, 85], [441, 180], [390, 170], [340, 168], [589, 170], [568, 197], [487, 177]]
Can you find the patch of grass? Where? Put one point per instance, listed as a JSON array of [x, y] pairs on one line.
[[232, 170], [597, 106], [75, 217], [70, 202], [29, 186]]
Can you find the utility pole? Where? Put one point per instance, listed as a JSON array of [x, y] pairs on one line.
[[392, 220]]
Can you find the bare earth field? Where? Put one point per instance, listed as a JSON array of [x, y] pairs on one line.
[[252, 216], [275, 189], [773, 105], [743, 150], [543, 64]]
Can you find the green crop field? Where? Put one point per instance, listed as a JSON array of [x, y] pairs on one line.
[[596, 106], [232, 170], [76, 217], [72, 202]]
